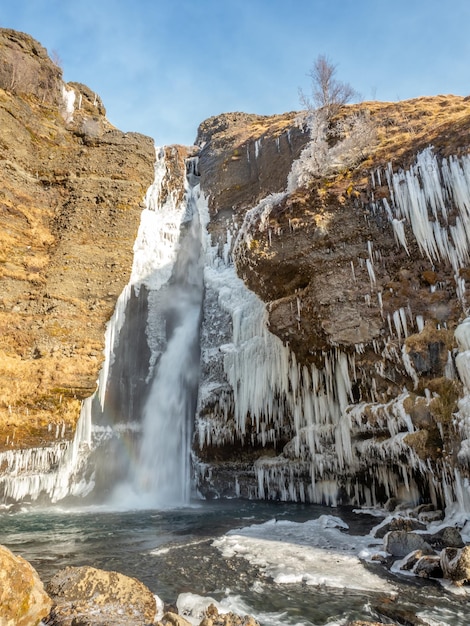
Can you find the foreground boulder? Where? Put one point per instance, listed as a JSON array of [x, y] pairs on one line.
[[86, 596], [23, 601], [455, 563]]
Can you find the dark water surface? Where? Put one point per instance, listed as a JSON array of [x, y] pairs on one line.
[[171, 552]]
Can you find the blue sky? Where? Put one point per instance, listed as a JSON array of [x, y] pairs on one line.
[[163, 66]]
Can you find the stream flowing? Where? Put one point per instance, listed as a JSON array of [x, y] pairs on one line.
[[282, 563]]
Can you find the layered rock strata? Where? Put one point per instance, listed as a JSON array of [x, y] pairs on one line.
[[70, 205]]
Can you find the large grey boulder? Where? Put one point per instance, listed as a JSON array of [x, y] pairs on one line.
[[399, 543], [448, 537]]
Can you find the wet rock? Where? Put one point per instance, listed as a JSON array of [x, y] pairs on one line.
[[214, 618], [85, 596], [448, 537], [430, 516], [173, 619], [455, 563], [388, 610], [363, 623], [392, 504], [410, 560], [400, 543], [428, 566], [406, 524], [23, 601]]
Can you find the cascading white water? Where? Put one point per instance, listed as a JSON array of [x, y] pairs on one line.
[[158, 473], [160, 476]]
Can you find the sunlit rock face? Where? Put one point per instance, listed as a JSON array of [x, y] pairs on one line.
[[70, 203], [348, 389]]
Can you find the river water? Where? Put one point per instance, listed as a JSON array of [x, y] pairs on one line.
[[283, 563]]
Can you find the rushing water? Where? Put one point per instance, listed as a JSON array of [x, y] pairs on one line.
[[292, 571], [161, 473]]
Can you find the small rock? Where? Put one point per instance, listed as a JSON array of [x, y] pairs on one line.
[[430, 516], [448, 537], [398, 523], [409, 562], [363, 623], [428, 566], [398, 615], [422, 508], [172, 619]]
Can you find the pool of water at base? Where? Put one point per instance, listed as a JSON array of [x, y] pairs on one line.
[[172, 552]]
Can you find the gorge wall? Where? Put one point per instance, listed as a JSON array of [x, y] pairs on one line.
[[70, 204], [362, 269], [333, 354]]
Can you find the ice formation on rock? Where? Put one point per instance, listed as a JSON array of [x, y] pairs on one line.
[[337, 449], [68, 99]]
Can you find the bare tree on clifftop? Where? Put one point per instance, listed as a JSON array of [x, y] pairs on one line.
[[327, 93]]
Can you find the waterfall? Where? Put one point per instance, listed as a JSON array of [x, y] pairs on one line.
[[143, 431], [133, 438], [189, 347], [160, 475]]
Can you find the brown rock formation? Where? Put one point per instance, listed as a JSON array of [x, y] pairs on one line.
[[23, 601], [455, 563], [327, 263], [91, 596], [70, 205]]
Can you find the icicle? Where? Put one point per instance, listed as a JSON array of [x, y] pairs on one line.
[[353, 272], [68, 98]]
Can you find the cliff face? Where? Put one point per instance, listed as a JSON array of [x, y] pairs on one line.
[[330, 369], [70, 205], [365, 301]]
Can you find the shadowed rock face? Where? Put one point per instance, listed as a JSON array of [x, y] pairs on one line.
[[244, 158]]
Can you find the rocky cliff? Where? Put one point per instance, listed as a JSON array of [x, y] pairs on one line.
[[366, 296], [333, 360], [70, 204]]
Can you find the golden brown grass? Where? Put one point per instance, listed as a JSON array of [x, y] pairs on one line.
[[404, 128]]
